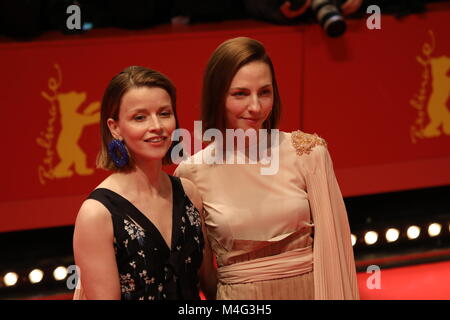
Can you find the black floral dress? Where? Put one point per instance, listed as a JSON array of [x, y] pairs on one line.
[[148, 268]]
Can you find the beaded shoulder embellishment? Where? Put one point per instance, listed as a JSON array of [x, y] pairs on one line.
[[305, 142]]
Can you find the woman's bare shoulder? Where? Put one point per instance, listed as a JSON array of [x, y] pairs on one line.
[[93, 211]]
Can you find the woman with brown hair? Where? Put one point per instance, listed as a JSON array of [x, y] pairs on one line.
[[279, 236], [139, 234]]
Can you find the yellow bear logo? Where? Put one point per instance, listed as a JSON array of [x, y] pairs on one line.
[[433, 114], [438, 114], [72, 125], [72, 158]]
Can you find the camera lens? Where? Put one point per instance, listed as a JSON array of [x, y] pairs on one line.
[[329, 17]]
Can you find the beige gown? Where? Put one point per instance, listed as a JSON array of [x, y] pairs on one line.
[[281, 236]]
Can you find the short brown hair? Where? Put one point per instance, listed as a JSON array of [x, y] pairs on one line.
[[222, 66], [131, 77]]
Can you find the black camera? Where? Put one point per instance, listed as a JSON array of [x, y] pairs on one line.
[[329, 16]]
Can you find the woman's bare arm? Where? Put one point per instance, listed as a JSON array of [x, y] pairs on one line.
[[94, 252]]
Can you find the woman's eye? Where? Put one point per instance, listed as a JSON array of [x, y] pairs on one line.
[[139, 117], [238, 94], [266, 92], [166, 113]]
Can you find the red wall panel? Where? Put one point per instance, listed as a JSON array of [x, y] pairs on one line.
[[38, 191], [367, 93]]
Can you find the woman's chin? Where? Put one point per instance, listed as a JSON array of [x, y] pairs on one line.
[[249, 126], [252, 128], [152, 157]]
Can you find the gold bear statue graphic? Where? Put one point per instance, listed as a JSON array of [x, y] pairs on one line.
[[437, 110], [72, 125]]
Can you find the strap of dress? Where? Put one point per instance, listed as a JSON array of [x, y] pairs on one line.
[[117, 205], [109, 200]]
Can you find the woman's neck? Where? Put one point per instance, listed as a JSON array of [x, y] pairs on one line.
[[256, 144], [147, 177]]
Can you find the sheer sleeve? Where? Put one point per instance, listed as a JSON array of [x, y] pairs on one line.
[[334, 264]]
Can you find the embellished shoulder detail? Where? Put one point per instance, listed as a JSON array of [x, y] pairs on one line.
[[305, 142]]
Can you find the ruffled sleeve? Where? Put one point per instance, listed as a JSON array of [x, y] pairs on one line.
[[333, 259]]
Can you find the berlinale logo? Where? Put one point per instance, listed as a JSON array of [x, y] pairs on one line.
[[433, 115], [64, 128]]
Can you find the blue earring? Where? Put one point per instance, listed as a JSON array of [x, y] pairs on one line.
[[118, 153]]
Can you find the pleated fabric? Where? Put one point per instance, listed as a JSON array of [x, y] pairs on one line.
[[335, 275]]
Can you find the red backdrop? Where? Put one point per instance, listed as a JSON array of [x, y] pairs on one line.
[[366, 93]]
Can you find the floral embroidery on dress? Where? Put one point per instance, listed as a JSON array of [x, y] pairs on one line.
[[305, 142], [135, 231], [127, 283], [193, 215], [146, 269], [145, 277], [115, 245], [143, 274]]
